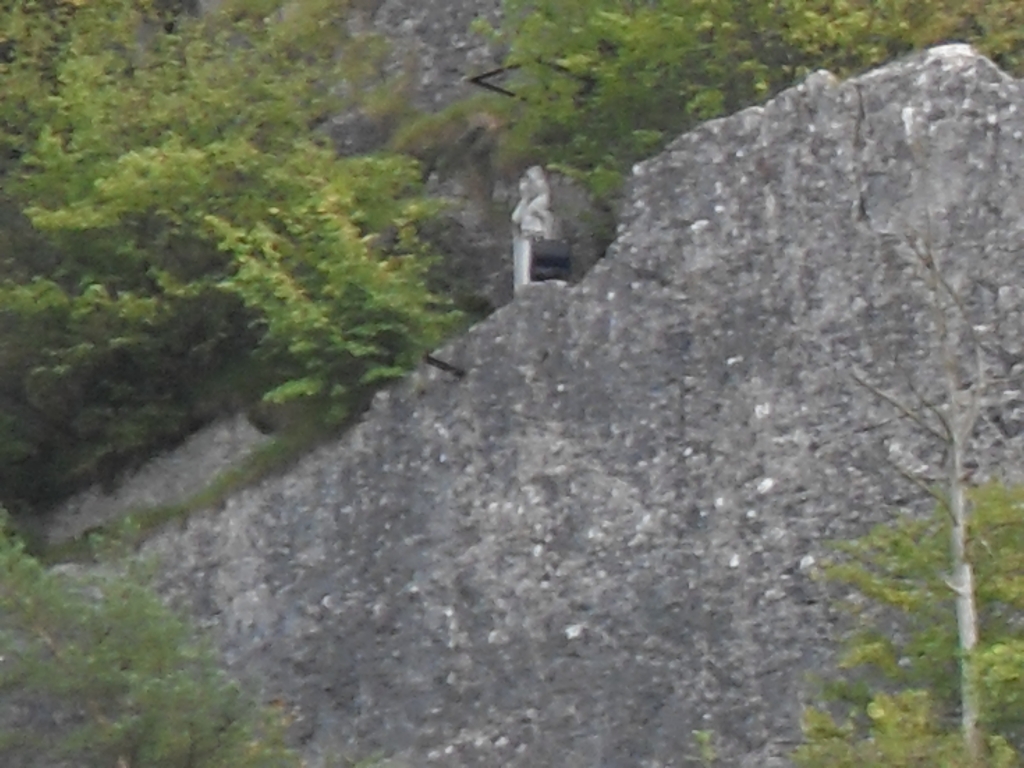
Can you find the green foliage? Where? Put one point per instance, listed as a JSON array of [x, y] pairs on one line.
[[850, 35], [133, 686], [605, 83], [198, 226], [905, 640], [707, 754], [894, 731]]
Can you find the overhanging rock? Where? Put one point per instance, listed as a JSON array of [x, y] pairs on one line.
[[603, 537]]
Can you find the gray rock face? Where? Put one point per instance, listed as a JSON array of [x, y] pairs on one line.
[[430, 40], [171, 478], [603, 538], [437, 33]]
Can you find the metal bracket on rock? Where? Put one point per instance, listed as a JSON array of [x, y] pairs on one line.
[[482, 81], [454, 370]]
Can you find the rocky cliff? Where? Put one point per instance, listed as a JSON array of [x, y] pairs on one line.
[[603, 538]]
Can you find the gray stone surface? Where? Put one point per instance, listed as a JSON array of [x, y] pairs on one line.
[[170, 478], [432, 52], [603, 538], [437, 33]]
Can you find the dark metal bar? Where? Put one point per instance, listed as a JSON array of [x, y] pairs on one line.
[[454, 370], [481, 81]]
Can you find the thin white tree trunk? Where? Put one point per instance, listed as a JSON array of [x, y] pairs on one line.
[[966, 608], [960, 422]]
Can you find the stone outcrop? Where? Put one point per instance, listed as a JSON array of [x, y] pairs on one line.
[[170, 478], [437, 33], [603, 538]]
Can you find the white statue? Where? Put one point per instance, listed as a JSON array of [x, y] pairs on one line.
[[532, 220], [533, 217]]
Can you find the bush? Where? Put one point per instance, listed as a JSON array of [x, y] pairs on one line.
[[199, 235], [123, 681]]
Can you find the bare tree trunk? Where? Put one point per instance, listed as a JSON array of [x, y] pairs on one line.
[[962, 402], [966, 609], [956, 417]]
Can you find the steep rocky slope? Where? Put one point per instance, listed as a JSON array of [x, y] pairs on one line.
[[603, 538]]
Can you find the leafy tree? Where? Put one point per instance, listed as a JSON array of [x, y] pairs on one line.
[[124, 680], [604, 83], [906, 642], [851, 35], [199, 237], [893, 731]]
